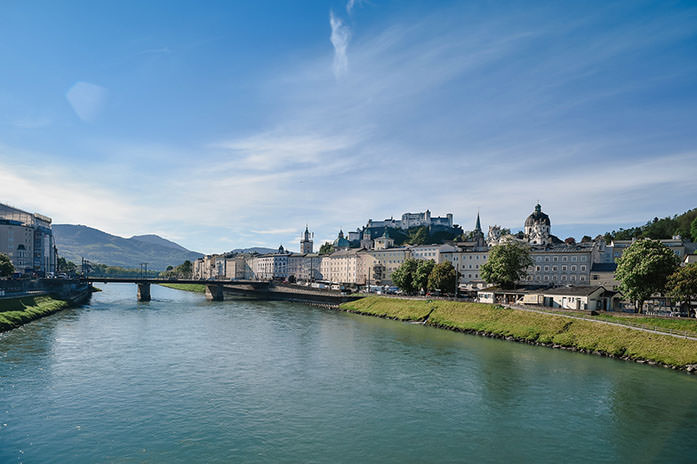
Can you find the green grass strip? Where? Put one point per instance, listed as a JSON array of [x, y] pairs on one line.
[[198, 288], [534, 327], [18, 311]]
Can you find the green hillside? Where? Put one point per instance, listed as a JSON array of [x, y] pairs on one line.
[[684, 225], [77, 241]]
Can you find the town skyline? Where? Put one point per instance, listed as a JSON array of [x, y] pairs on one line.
[[218, 134]]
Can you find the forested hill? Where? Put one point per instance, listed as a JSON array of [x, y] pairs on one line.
[[684, 225], [76, 241]]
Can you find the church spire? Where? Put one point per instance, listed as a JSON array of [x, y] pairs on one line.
[[478, 226]]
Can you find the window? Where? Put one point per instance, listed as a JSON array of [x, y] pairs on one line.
[[582, 278], [546, 259], [564, 258], [555, 259], [583, 267], [546, 277], [573, 258], [573, 268], [537, 268], [546, 268], [563, 268]]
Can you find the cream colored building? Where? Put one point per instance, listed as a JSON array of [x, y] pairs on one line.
[[27, 239]]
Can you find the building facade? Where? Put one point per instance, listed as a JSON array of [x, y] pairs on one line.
[[27, 239]]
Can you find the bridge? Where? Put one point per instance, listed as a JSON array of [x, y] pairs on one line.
[[214, 288]]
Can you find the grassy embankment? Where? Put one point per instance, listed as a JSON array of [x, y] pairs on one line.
[[529, 327], [677, 325], [18, 311], [198, 288]]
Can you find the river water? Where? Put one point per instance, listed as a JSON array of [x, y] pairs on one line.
[[181, 379]]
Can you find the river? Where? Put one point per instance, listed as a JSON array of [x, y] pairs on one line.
[[181, 379]]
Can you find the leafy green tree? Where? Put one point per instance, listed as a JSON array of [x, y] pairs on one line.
[[66, 266], [423, 270], [643, 270], [186, 268], [326, 248], [693, 230], [6, 266], [507, 264], [443, 277], [682, 284], [403, 276], [418, 236]]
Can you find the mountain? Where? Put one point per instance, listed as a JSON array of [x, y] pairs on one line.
[[260, 250], [77, 241], [157, 240]]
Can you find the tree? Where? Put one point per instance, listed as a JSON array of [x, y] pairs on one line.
[[643, 270], [186, 269], [66, 266], [6, 267], [586, 239], [682, 284], [506, 264], [326, 249], [403, 276], [693, 230], [442, 277], [423, 270], [418, 236]]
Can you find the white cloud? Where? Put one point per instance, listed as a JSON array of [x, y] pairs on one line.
[[340, 37], [289, 230], [87, 100]]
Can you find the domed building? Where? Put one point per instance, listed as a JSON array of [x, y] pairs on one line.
[[341, 242], [537, 227]]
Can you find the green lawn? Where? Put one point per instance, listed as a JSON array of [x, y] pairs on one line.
[[16, 312], [403, 310], [198, 288], [535, 327], [680, 325]]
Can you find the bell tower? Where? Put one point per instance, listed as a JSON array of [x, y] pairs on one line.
[[306, 241]]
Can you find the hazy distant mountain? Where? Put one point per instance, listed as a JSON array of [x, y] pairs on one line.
[[260, 250], [157, 240], [76, 241]]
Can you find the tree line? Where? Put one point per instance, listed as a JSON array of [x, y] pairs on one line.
[[414, 276]]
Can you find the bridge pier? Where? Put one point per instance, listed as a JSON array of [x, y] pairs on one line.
[[143, 291], [215, 292]]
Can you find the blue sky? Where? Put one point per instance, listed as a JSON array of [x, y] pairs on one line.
[[231, 124]]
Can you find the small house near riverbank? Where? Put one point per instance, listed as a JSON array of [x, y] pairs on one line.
[[580, 298]]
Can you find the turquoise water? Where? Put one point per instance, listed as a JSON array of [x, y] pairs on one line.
[[181, 379]]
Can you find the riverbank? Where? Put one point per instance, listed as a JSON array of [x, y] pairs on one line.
[[18, 311], [197, 288], [554, 331]]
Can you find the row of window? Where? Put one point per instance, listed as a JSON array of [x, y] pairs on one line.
[[547, 259], [582, 268], [562, 278]]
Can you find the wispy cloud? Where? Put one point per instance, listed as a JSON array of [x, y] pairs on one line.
[[285, 231], [340, 37]]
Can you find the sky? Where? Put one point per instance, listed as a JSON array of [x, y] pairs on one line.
[[224, 125]]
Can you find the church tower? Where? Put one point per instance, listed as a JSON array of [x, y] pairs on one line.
[[306, 241]]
